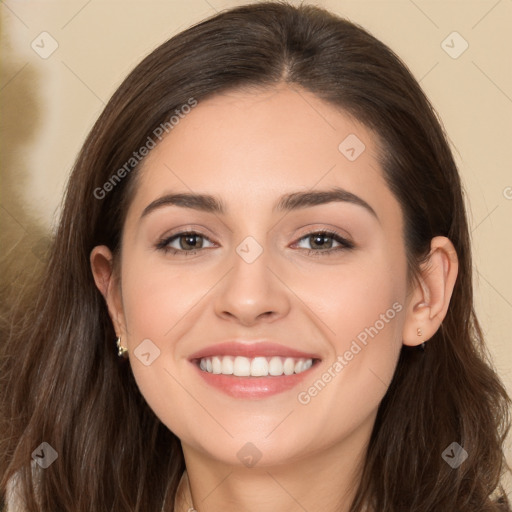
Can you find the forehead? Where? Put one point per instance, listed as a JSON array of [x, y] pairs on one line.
[[250, 146]]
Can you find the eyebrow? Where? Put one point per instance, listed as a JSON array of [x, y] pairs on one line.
[[288, 202]]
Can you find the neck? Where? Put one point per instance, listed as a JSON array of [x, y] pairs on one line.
[[326, 480]]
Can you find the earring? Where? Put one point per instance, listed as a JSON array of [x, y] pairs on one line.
[[121, 351], [419, 332]]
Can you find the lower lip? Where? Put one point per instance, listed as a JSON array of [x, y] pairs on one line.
[[253, 387]]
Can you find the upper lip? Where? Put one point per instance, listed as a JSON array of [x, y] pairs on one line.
[[250, 350]]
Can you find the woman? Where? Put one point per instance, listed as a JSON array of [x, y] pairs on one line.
[[259, 296]]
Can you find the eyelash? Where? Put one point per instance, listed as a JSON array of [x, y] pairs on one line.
[[345, 244]]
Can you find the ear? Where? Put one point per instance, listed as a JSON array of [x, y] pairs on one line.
[[430, 297], [108, 284]]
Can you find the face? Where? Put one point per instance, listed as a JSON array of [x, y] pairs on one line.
[[299, 270]]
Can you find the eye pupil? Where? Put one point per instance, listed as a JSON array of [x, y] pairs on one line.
[[320, 240], [190, 241]]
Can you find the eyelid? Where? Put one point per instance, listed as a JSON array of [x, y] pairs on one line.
[[345, 243], [166, 239], [328, 229], [197, 229]]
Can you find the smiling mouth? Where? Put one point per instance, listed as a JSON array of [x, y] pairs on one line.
[[240, 366]]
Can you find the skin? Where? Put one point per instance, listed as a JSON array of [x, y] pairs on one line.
[[249, 148]]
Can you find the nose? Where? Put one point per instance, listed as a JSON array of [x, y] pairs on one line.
[[252, 292]]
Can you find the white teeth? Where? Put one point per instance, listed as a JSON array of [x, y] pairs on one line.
[[254, 367], [216, 365], [227, 365], [275, 366], [288, 366], [242, 367], [259, 367]]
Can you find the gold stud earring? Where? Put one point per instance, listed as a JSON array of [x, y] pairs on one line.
[[121, 351], [419, 332]]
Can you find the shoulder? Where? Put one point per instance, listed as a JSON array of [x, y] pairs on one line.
[[14, 499]]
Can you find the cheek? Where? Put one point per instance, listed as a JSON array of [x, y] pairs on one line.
[[161, 303], [362, 311], [361, 295], [157, 297]]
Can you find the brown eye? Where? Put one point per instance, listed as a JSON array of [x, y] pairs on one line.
[[321, 242], [190, 241], [186, 243]]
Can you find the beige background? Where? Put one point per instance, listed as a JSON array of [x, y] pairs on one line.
[[49, 104]]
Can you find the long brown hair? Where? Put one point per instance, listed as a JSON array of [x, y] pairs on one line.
[[62, 382]]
